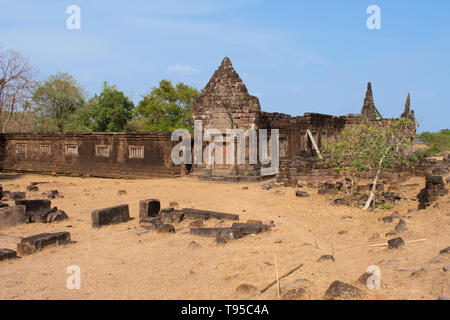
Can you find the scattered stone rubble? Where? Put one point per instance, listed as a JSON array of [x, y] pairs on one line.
[[434, 188]]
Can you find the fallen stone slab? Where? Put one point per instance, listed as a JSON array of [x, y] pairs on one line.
[[37, 242], [248, 228], [34, 207], [152, 223], [301, 194], [7, 254], [52, 194], [13, 195], [12, 216], [111, 215], [340, 290], [149, 208], [195, 214], [212, 232], [196, 224], [166, 228], [172, 216], [57, 215]]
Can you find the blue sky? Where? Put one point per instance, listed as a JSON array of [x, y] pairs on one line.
[[296, 56]]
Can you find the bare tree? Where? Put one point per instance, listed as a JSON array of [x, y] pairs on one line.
[[16, 82]]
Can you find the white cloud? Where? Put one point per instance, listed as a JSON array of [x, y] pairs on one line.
[[180, 69]]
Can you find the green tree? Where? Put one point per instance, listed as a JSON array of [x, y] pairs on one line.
[[438, 142], [82, 120], [57, 98], [372, 146], [111, 110], [168, 107]]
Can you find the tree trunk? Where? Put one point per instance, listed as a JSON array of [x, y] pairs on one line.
[[374, 186]]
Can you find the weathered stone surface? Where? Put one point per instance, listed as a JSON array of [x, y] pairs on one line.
[[12, 216], [401, 226], [174, 216], [166, 228], [369, 110], [7, 254], [196, 224], [225, 103], [248, 228], [151, 223], [396, 243], [52, 194], [13, 195], [340, 290], [149, 208], [34, 207], [301, 194], [195, 214], [112, 215], [57, 215], [212, 232], [37, 242]]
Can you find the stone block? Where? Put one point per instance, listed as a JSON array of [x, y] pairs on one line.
[[37, 242], [12, 216], [196, 214], [34, 207], [7, 254], [149, 208], [111, 215], [248, 228], [13, 195]]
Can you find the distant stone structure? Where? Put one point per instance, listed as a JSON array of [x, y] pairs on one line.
[[368, 109], [223, 104], [408, 113]]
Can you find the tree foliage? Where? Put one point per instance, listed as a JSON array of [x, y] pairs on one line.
[[370, 147], [438, 142], [168, 107], [111, 110], [57, 98]]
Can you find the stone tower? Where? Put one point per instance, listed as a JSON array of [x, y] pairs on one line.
[[225, 102], [369, 110], [408, 113]]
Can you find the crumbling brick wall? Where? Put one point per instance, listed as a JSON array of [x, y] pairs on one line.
[[93, 154]]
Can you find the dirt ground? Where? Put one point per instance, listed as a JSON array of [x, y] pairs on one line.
[[125, 262]]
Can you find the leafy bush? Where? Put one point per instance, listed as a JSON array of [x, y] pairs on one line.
[[438, 142]]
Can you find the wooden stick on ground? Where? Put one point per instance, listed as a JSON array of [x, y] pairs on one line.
[[282, 277], [276, 274], [385, 244]]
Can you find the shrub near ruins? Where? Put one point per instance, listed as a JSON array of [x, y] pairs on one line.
[[370, 147]]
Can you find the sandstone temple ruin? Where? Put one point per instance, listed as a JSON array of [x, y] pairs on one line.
[[223, 104]]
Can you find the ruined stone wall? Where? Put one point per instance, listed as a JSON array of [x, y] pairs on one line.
[[95, 154]]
